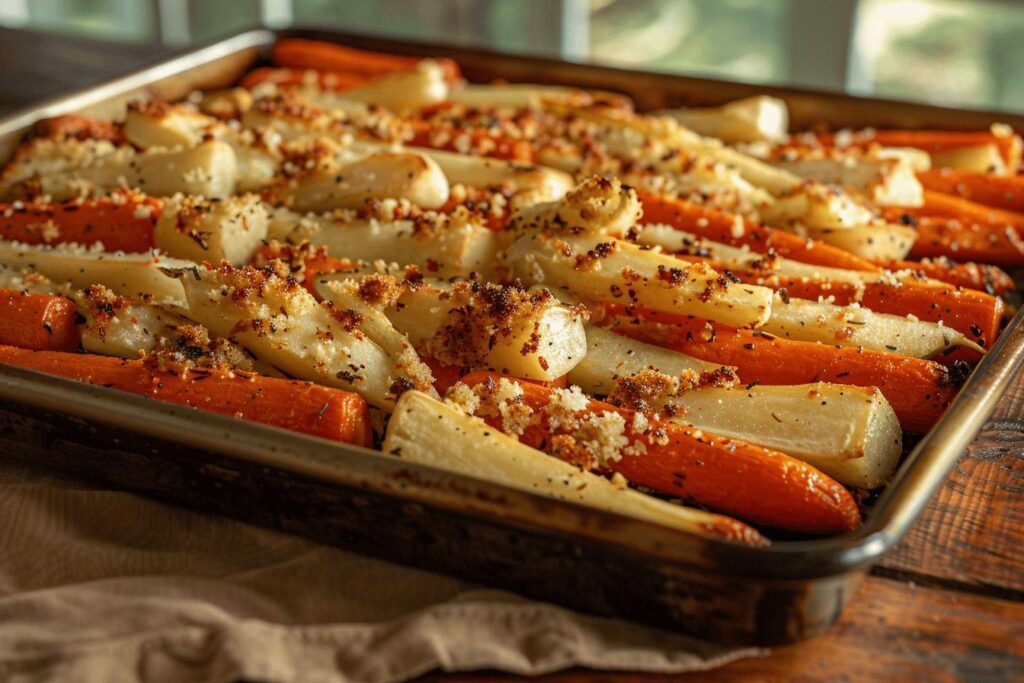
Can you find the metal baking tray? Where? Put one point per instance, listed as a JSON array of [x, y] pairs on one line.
[[587, 559]]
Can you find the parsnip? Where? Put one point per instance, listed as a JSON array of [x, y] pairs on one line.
[[977, 159], [427, 432], [884, 182], [539, 182], [611, 356], [876, 242], [318, 181], [80, 168], [282, 324], [661, 144], [132, 275], [601, 268], [200, 230], [854, 326], [850, 433], [31, 282], [752, 119], [482, 327], [446, 246], [162, 125], [819, 206], [120, 327], [208, 169], [400, 91], [679, 242], [347, 296], [595, 205]]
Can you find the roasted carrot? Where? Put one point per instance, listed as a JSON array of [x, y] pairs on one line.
[[124, 222], [1001, 192], [331, 81], [951, 226], [298, 53], [965, 211], [75, 126], [943, 236], [1010, 145], [976, 314], [300, 406], [38, 321], [760, 485], [719, 226], [918, 390], [478, 141], [990, 279]]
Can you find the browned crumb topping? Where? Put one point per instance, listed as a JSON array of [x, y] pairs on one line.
[[101, 307], [654, 393], [193, 346], [481, 314]]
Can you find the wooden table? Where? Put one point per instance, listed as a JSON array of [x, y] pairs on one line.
[[946, 605]]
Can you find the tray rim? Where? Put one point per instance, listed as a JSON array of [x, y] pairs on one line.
[[890, 518]]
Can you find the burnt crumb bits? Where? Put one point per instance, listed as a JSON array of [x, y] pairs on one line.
[[401, 385]]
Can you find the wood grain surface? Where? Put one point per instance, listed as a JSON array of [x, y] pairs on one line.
[[893, 631], [946, 605]]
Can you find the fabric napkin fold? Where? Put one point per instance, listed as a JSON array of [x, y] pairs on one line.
[[102, 585]]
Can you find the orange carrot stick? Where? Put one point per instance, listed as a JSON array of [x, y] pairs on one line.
[[976, 314], [755, 483], [298, 53], [1001, 192], [299, 406], [121, 223], [965, 211], [330, 81], [38, 321], [478, 141], [918, 390], [719, 226], [985, 278], [75, 126], [950, 237]]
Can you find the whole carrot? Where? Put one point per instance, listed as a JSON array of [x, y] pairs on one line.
[[1001, 192], [985, 278], [299, 406], [919, 390], [330, 81], [976, 314], [298, 53], [965, 211], [124, 222], [38, 321], [941, 236], [719, 226], [754, 483]]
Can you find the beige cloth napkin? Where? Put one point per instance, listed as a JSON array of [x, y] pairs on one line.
[[101, 585]]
